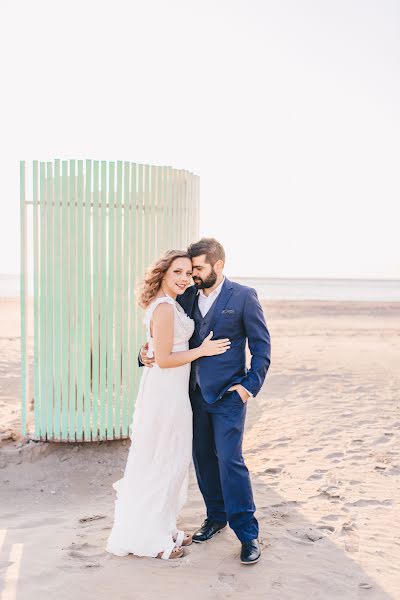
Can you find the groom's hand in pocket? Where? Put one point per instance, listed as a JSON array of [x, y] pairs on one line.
[[243, 393], [148, 362]]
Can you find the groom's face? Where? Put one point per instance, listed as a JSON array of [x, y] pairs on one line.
[[204, 275]]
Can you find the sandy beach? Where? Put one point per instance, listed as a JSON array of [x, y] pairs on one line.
[[322, 445]]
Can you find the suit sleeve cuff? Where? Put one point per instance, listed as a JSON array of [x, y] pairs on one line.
[[250, 394]]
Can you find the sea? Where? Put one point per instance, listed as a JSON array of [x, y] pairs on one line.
[[373, 290]]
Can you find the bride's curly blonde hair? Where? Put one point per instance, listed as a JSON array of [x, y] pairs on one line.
[[149, 287]]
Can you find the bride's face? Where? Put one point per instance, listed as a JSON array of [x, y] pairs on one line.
[[178, 277]]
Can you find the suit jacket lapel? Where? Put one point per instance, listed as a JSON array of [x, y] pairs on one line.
[[190, 304], [221, 302], [187, 300]]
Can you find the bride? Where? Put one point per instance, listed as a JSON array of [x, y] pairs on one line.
[[154, 486]]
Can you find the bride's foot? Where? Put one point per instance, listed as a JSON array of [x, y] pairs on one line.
[[184, 540], [175, 553]]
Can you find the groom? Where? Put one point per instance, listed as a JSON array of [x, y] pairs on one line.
[[220, 387]]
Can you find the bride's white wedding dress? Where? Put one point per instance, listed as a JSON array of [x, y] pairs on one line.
[[154, 486]]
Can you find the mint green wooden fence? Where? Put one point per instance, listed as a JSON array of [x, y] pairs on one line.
[[94, 227]]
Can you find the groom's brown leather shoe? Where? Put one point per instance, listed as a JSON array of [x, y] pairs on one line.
[[207, 531]]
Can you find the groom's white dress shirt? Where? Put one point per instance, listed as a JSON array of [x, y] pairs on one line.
[[206, 302]]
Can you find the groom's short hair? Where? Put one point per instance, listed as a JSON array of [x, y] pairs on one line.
[[208, 246]]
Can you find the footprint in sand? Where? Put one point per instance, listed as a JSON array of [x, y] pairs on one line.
[[279, 517], [309, 535], [383, 439], [334, 455], [289, 504], [363, 503], [394, 471], [351, 537], [332, 492], [273, 470], [227, 585], [84, 556], [315, 476]]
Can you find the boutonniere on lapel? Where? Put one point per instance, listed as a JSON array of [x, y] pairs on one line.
[[228, 311]]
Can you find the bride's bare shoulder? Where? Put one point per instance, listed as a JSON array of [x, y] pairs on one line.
[[162, 307]]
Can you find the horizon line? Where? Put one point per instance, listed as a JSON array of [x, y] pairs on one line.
[[280, 278]]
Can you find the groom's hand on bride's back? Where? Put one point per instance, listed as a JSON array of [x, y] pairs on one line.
[[148, 362]]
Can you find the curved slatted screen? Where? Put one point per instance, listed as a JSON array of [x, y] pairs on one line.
[[96, 226]]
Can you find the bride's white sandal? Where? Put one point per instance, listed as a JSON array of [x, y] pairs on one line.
[[174, 553], [173, 550], [182, 538]]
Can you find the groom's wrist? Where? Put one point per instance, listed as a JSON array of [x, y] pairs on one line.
[[246, 390]]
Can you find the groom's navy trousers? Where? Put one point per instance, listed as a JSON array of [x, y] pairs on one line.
[[219, 415], [222, 475]]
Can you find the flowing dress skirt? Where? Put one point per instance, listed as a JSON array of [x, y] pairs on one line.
[[154, 486]]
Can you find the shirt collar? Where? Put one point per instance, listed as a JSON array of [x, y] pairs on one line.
[[215, 292]]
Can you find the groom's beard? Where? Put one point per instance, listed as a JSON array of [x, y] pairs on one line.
[[206, 283]]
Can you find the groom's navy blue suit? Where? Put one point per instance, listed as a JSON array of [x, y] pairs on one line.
[[219, 415]]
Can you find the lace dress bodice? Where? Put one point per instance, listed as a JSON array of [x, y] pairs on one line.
[[183, 325]]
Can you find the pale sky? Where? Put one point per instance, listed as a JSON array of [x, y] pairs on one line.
[[289, 110]]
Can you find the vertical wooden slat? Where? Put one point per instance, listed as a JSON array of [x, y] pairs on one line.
[[133, 368], [153, 202], [57, 299], [180, 212], [126, 308], [190, 210], [171, 191], [164, 194], [184, 220], [193, 209], [159, 207], [79, 304], [166, 203], [73, 341], [110, 303], [50, 303], [188, 185], [87, 301], [197, 206], [140, 218], [173, 204], [193, 206], [141, 244], [147, 217], [96, 301], [65, 297], [103, 280], [24, 299], [36, 322], [42, 302], [163, 210], [119, 258]]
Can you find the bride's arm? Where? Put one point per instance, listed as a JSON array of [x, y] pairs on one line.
[[163, 336]]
